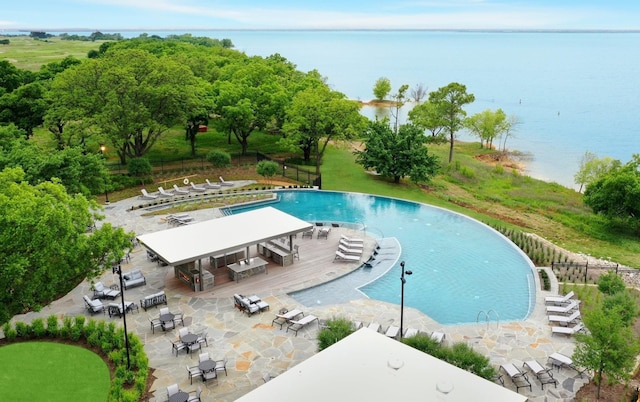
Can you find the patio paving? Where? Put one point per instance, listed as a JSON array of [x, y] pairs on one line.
[[254, 347]]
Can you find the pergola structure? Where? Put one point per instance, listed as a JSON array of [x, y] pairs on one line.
[[191, 243]]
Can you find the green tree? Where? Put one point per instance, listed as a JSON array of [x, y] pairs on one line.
[[25, 106], [610, 347], [130, 97], [267, 169], [397, 154], [318, 115], [46, 250], [592, 168], [610, 283], [487, 125], [449, 102], [427, 116], [381, 88], [616, 195]]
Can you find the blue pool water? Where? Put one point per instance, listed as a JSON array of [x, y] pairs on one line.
[[460, 266]]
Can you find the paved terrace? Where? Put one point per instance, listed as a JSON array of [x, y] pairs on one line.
[[254, 347]]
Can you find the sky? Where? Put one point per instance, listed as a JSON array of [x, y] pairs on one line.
[[149, 15]]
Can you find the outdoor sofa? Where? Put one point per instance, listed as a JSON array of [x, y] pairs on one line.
[[133, 278]]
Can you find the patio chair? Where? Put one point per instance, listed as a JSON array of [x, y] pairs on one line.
[[544, 375], [178, 318], [172, 390], [210, 375], [155, 323], [559, 299], [211, 185], [177, 346], [323, 232], [249, 307], [165, 193], [296, 326], [94, 306], [564, 319], [559, 361], [197, 346], [346, 257], [225, 183], [197, 188], [164, 310], [351, 239], [193, 371], [221, 365], [350, 251], [202, 338], [178, 190], [195, 397], [393, 332], [147, 196], [518, 378], [182, 332], [203, 357], [296, 252], [308, 233], [100, 291], [566, 309], [568, 331]]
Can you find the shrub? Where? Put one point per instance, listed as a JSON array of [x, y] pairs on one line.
[[219, 159], [610, 283], [52, 326], [335, 329], [37, 326], [22, 329], [267, 169], [9, 331], [139, 167]]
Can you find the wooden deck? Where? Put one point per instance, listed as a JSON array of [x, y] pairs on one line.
[[315, 266]]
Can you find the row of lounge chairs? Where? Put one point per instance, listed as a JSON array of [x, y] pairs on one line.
[[564, 310], [393, 331], [295, 320], [544, 375], [184, 191], [349, 249], [179, 219]]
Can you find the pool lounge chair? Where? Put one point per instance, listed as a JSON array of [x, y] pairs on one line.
[[518, 378], [178, 190], [225, 183], [352, 251], [94, 306], [559, 360], [351, 239], [438, 336], [286, 317], [567, 309], [147, 196], [197, 188], [559, 299], [100, 291], [296, 326], [351, 245], [393, 332], [374, 326], [211, 185], [544, 375], [579, 327], [165, 193], [564, 319], [346, 257], [410, 332]]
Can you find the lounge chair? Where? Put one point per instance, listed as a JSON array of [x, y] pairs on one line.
[[346, 257], [324, 232], [544, 375], [438, 336], [164, 193], [559, 360], [94, 306], [393, 332], [211, 185], [351, 251], [286, 317], [579, 327], [559, 299], [357, 325], [225, 183], [178, 190], [374, 326], [518, 378], [351, 239], [296, 326], [197, 188], [147, 196], [564, 319], [249, 307], [100, 291], [345, 243], [567, 309]]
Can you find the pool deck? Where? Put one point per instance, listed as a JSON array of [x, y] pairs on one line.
[[254, 347]]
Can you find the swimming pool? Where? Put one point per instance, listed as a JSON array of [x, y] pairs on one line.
[[460, 266]]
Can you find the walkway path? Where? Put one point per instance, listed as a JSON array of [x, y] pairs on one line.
[[254, 347]]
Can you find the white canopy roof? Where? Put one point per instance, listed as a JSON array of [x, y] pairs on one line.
[[219, 236], [367, 366]]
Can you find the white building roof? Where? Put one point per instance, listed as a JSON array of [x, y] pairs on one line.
[[367, 366], [219, 236]]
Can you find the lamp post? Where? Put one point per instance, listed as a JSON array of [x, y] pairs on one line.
[[402, 281], [284, 170], [118, 270], [103, 149]]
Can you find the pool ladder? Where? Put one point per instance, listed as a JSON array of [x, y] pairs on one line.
[[487, 317]]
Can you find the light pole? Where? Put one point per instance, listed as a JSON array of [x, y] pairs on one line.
[[284, 170], [402, 281], [118, 270], [103, 148]]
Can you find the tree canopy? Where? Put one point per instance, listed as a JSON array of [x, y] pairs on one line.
[[381, 88], [45, 247], [592, 168], [397, 154]]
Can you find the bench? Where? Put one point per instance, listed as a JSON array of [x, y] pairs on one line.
[[153, 300]]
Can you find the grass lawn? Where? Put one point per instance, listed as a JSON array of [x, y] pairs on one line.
[[49, 371]]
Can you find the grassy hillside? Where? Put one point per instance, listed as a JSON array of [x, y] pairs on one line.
[[29, 54]]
